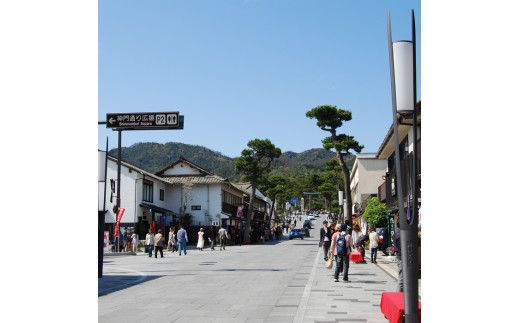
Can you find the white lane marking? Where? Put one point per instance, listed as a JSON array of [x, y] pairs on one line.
[[306, 292]]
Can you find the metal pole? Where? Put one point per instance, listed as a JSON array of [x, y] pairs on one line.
[[406, 235], [412, 250], [118, 199], [101, 220]]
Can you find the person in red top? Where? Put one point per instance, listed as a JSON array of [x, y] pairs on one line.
[[341, 246]]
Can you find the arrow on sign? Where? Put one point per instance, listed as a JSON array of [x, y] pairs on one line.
[[111, 120]]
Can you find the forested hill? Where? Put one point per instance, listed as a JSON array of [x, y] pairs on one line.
[[154, 156]]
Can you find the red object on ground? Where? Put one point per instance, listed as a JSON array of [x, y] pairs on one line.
[[355, 256], [392, 306]]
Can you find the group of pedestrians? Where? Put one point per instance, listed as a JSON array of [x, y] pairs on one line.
[[222, 235], [128, 241], [177, 241], [338, 241]]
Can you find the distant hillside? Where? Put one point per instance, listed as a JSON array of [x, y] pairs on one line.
[[154, 156]]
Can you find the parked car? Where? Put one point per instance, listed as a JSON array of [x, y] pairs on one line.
[[307, 224], [296, 233]]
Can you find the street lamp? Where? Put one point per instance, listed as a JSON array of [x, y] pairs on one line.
[[402, 55]]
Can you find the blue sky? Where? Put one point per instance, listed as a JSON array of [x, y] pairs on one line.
[[225, 64]]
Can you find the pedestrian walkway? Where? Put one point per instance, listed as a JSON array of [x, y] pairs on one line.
[[355, 301], [275, 282]]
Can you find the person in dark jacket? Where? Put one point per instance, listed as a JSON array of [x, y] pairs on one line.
[[325, 239], [212, 237], [396, 239]]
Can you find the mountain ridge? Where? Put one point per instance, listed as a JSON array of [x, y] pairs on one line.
[[153, 157]]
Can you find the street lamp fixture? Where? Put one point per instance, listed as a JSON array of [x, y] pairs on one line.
[[404, 96], [403, 73]]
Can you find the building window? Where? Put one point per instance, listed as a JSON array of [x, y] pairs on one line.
[[161, 195], [148, 191]]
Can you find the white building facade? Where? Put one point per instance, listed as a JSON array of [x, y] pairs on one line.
[[159, 200], [367, 174]]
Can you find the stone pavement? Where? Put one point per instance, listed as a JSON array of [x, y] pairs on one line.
[[283, 281]]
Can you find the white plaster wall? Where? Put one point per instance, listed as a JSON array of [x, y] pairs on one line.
[[173, 198], [132, 194], [215, 201], [127, 193], [371, 173], [182, 169], [199, 197]]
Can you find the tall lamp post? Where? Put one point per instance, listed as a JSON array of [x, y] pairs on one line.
[[402, 55]]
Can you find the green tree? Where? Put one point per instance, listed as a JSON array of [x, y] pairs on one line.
[[273, 186], [376, 213], [330, 118], [255, 163]]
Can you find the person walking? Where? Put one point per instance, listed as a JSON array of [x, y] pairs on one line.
[[372, 236], [396, 239], [356, 233], [182, 239], [325, 239], [171, 239], [222, 235], [212, 237], [149, 242], [122, 240], [341, 247], [158, 243], [200, 242], [134, 242]]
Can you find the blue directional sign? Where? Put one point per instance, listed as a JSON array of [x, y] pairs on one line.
[[294, 200]]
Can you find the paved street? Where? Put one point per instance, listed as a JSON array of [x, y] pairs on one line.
[[283, 281]]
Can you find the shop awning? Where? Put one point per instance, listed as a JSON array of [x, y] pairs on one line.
[[157, 209]]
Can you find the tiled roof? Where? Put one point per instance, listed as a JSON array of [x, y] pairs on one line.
[[211, 179], [137, 169]]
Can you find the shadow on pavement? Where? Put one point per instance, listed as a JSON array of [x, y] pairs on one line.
[[113, 283]]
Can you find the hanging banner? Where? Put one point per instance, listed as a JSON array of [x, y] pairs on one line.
[[120, 212]]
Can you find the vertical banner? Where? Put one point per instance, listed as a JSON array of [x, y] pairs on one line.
[[120, 212]]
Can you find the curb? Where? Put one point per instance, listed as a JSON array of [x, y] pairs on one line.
[[387, 271], [118, 254]]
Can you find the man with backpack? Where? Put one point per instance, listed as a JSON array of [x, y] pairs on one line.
[[341, 248], [223, 236]]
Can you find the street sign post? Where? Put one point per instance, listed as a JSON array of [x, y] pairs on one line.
[[145, 121]]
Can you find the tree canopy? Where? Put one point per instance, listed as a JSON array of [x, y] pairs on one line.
[[329, 118], [256, 160], [376, 213]]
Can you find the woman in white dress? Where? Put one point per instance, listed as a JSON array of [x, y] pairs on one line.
[[200, 242]]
